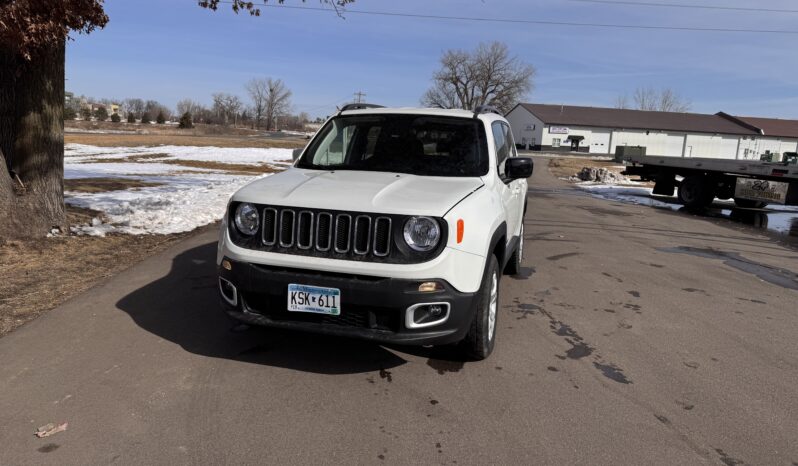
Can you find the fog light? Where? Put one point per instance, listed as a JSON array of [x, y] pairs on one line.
[[228, 291], [429, 287], [227, 265], [426, 315]]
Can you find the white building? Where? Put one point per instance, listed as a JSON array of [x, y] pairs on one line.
[[777, 137], [600, 130]]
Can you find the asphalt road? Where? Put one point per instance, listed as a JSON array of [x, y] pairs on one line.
[[636, 336]]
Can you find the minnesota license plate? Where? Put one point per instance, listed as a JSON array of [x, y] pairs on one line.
[[314, 299], [761, 190]]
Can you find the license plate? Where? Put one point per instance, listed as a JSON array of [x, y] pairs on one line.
[[761, 190], [314, 299]]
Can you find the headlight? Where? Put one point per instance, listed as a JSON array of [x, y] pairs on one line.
[[247, 219], [422, 233]]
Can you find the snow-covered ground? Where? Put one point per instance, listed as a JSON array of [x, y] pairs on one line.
[[186, 198]]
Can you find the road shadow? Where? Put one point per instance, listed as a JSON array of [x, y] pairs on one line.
[[183, 307]]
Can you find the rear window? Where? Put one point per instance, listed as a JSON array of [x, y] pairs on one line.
[[414, 144]]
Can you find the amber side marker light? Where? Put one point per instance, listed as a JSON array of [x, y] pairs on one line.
[[429, 287], [227, 265], [460, 230]]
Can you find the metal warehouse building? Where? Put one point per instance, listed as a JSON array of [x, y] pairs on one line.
[[600, 130]]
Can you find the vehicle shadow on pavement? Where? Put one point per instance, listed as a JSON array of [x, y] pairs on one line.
[[183, 307]]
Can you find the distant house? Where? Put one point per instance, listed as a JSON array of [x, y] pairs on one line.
[[600, 130]]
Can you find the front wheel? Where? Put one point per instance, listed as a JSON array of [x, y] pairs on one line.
[[479, 341], [696, 192]]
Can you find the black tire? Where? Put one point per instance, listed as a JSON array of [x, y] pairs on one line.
[[513, 266], [696, 192], [749, 204], [478, 342]]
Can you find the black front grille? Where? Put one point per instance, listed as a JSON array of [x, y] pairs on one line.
[[334, 234]]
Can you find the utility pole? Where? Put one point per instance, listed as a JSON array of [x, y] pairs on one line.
[[359, 97]]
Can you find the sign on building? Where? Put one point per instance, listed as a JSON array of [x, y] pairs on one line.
[[558, 130]]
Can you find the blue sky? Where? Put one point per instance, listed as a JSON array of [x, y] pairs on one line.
[[168, 50]]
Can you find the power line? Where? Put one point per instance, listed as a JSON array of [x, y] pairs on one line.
[[684, 5], [529, 21]]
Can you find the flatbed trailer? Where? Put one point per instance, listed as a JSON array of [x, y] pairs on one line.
[[750, 183]]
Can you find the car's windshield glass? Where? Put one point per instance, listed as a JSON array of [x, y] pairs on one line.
[[415, 144]]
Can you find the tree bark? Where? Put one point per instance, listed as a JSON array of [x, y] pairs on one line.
[[31, 142]]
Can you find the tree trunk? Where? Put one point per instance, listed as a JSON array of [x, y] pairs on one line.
[[31, 142]]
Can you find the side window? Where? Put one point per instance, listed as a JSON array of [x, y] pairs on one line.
[[500, 140], [555, 142]]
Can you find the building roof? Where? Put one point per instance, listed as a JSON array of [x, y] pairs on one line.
[[569, 115], [773, 126]]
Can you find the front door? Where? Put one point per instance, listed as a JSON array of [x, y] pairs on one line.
[[574, 145]]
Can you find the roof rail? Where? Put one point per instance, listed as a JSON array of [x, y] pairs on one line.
[[358, 106], [485, 109]]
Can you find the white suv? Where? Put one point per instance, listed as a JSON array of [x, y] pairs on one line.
[[393, 225]]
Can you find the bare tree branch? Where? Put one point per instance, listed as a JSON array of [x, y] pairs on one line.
[[487, 76]]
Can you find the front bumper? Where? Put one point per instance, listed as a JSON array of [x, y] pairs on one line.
[[372, 308]]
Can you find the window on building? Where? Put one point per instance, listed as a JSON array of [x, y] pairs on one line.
[[556, 142]]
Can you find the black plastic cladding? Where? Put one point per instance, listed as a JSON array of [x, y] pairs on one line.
[[366, 240]]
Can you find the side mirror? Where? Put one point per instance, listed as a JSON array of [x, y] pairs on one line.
[[518, 167], [297, 152]]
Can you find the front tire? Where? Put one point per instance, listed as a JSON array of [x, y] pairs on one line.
[[481, 337], [696, 192]]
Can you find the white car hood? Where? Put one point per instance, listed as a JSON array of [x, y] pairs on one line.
[[360, 191]]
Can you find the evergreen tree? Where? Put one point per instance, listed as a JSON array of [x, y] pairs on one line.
[[70, 113], [115, 118], [85, 113], [160, 119], [131, 118], [185, 121], [145, 118], [101, 114]]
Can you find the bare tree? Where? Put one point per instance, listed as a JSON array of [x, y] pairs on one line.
[[278, 101], [622, 102], [651, 99], [487, 76], [258, 90], [188, 106], [134, 106], [227, 106]]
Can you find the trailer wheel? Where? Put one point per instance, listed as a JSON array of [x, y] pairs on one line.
[[749, 203], [696, 192]]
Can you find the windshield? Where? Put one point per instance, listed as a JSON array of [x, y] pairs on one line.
[[415, 144]]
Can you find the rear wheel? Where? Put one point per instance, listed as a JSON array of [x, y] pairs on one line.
[[479, 341], [749, 204], [696, 191]]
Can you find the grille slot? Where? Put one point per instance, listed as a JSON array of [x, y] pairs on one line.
[[304, 235], [269, 226], [343, 226], [324, 223], [362, 235], [382, 236], [287, 228]]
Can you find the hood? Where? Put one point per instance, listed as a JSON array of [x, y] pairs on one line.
[[359, 191]]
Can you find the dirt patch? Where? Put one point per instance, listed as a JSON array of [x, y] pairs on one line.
[[235, 168], [133, 140], [564, 168], [39, 274], [101, 185]]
